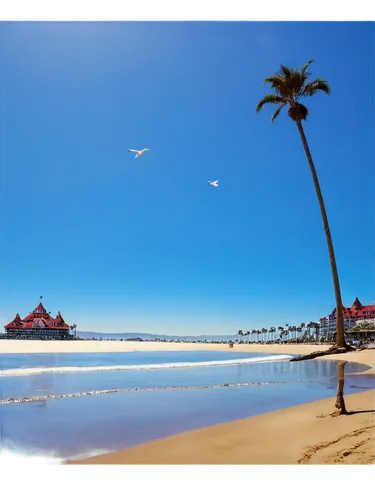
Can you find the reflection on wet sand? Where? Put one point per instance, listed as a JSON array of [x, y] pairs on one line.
[[340, 402]]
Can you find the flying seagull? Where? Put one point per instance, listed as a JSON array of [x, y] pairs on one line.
[[139, 153], [214, 183]]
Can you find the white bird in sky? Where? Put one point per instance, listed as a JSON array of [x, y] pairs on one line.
[[214, 183], [139, 152]]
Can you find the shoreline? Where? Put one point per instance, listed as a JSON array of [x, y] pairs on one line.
[[305, 434]]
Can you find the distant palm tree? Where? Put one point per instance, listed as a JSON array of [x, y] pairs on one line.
[[290, 86], [295, 329], [254, 332], [316, 326], [302, 326], [240, 333], [248, 338], [290, 329], [299, 330], [272, 330], [308, 326], [281, 330], [264, 336]]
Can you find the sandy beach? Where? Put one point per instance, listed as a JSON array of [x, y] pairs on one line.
[[305, 434]]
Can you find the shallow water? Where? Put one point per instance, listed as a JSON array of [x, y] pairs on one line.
[[9, 361], [258, 373], [80, 426]]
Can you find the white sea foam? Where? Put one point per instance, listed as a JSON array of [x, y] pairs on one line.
[[144, 389], [14, 457], [70, 369]]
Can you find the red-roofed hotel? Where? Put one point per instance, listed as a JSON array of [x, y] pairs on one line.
[[39, 324], [356, 312]]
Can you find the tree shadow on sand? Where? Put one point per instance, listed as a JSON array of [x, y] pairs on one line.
[[360, 411]]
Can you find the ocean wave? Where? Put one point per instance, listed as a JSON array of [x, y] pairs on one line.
[[14, 457], [34, 399], [15, 372]]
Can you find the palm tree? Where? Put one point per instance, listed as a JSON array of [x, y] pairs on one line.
[[272, 330], [291, 330], [299, 330], [254, 332], [248, 338], [295, 332], [281, 330], [240, 333], [290, 86], [316, 326], [264, 332]]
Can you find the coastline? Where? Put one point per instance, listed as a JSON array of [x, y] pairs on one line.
[[305, 434]]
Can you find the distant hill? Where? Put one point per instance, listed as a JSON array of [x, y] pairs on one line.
[[153, 336]]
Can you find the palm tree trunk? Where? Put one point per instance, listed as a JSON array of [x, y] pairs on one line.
[[340, 335]]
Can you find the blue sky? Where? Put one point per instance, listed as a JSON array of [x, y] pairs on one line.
[[119, 244]]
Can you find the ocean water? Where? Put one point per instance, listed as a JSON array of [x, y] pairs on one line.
[[16, 361], [65, 417]]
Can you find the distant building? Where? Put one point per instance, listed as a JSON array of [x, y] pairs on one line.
[[39, 324], [352, 314]]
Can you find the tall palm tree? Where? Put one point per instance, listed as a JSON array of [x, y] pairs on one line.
[[281, 330], [272, 330], [295, 332], [248, 338], [299, 330], [240, 333], [264, 332], [290, 86], [316, 326]]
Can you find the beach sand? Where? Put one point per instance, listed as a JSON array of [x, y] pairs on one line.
[[305, 434]]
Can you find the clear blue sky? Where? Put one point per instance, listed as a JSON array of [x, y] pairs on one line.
[[119, 244]]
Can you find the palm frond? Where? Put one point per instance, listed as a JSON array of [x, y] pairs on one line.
[[304, 68], [289, 85], [285, 71], [277, 112], [312, 87], [296, 83], [277, 83], [270, 99]]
